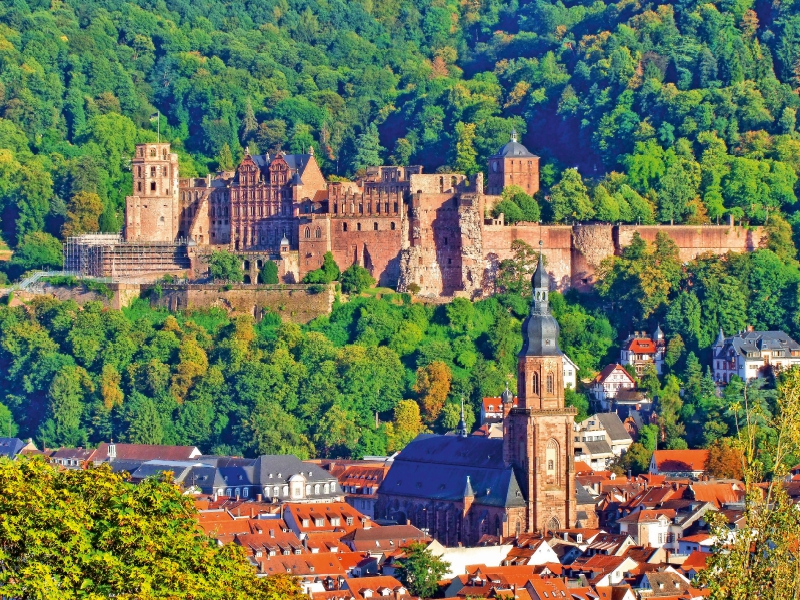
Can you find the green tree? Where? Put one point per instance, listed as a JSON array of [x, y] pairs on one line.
[[225, 158], [569, 198], [269, 273], [37, 250], [466, 155], [368, 149], [83, 214], [225, 266], [329, 271], [421, 570], [762, 563], [72, 538], [355, 279]]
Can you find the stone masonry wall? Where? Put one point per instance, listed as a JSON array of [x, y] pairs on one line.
[[693, 240], [557, 245], [377, 250], [292, 302]]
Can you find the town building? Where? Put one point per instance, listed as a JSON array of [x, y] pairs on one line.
[[570, 373], [752, 354], [642, 350], [612, 380], [679, 463], [600, 439], [523, 483]]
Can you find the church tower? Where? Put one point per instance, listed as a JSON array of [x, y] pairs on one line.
[[537, 434]]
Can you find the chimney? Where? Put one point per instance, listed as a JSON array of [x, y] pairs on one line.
[[259, 497], [750, 328]]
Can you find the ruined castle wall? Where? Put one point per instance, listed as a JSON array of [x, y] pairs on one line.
[[557, 245], [693, 240], [433, 260], [377, 250], [297, 303], [591, 244]]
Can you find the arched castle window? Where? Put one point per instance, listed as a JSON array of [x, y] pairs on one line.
[[549, 383], [535, 383], [375, 226], [308, 232], [318, 233], [153, 152], [392, 226], [358, 226], [344, 226]]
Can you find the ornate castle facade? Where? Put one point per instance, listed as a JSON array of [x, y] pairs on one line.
[[405, 226]]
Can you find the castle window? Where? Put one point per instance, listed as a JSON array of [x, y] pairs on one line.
[[318, 233], [139, 186], [392, 226], [358, 226], [344, 226], [153, 154], [152, 186], [152, 171], [375, 226], [550, 383], [140, 171], [308, 232], [441, 184]]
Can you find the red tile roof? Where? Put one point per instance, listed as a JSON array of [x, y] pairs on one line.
[[680, 460], [698, 560], [642, 346], [642, 516], [146, 452]]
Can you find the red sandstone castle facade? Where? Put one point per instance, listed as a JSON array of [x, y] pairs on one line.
[[405, 226]]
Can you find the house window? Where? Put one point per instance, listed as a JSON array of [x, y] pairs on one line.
[[319, 522], [316, 489], [245, 492]]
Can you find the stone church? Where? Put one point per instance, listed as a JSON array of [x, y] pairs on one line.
[[460, 487]]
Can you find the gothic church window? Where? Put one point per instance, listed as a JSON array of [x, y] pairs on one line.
[[318, 233], [308, 233], [535, 383], [549, 383], [551, 458]]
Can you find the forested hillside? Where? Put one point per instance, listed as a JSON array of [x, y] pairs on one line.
[[672, 112]]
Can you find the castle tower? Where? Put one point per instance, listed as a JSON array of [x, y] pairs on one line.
[[514, 164], [152, 213], [537, 436]]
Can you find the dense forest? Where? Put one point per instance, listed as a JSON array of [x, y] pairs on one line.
[[682, 112]]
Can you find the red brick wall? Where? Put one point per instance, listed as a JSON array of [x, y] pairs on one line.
[[377, 251]]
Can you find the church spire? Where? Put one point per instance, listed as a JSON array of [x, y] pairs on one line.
[[540, 330]]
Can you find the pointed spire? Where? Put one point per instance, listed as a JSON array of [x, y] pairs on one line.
[[658, 334], [720, 338], [468, 491], [462, 424]]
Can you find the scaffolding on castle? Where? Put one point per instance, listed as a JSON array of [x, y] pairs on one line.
[[108, 255]]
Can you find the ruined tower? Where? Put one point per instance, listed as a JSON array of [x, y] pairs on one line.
[[152, 213], [537, 434]]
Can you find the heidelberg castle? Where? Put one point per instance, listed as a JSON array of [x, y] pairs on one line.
[[404, 226]]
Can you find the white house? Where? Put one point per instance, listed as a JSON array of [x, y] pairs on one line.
[[570, 373], [648, 527], [609, 382], [641, 350], [751, 354], [679, 463]]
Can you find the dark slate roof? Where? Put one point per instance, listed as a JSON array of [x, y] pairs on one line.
[[582, 495], [751, 343], [597, 447], [514, 149], [613, 426], [10, 447], [436, 467], [296, 162]]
